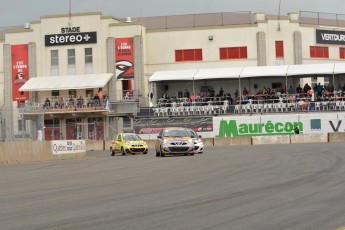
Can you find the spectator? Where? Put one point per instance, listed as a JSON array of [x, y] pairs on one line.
[[221, 92], [151, 96], [245, 91], [80, 102], [180, 94], [47, 103], [236, 93], [291, 90], [186, 94], [61, 103], [100, 94], [299, 89], [229, 98], [96, 100], [306, 88], [319, 89], [71, 103], [164, 95], [39, 135], [303, 105]]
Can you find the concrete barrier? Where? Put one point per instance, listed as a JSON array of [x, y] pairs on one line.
[[97, 145], [309, 138], [336, 137], [269, 140], [208, 142], [151, 144], [18, 152], [232, 141]]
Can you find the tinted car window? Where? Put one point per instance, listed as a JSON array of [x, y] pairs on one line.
[[131, 138], [175, 133]]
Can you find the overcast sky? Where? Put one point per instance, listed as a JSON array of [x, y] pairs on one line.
[[18, 12]]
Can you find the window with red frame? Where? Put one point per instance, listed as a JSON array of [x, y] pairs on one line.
[[319, 52], [233, 53], [188, 55], [279, 49], [342, 53]]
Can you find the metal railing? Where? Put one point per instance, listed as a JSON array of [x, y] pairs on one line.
[[321, 18], [196, 20], [247, 107]]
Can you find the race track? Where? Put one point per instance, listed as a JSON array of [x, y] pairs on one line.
[[300, 186]]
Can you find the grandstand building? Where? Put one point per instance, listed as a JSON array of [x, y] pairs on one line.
[[85, 76]]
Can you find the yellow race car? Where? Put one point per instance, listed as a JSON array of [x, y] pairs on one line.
[[128, 143]]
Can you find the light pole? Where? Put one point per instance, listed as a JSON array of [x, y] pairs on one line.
[[1, 123], [279, 28]]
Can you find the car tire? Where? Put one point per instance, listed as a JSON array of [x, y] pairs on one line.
[[161, 153], [123, 152], [192, 154], [112, 152]]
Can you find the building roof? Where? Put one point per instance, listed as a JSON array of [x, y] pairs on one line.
[[67, 82], [249, 72]]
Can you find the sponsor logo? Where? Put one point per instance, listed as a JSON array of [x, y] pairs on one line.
[[333, 37], [315, 124], [231, 129], [63, 147], [330, 37], [335, 127], [70, 39]]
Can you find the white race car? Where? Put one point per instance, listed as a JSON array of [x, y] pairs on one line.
[[198, 144]]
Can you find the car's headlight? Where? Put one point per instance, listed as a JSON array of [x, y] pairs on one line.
[[190, 141], [165, 141]]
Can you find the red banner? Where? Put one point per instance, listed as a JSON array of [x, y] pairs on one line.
[[124, 58], [20, 71]]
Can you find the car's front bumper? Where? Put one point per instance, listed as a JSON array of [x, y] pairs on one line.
[[199, 148], [135, 150], [177, 150]]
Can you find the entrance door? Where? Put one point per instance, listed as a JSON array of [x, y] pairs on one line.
[[52, 134], [74, 129]]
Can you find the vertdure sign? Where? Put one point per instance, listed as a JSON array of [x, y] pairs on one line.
[[70, 39], [330, 37]]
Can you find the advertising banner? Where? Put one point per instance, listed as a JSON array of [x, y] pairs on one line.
[[155, 125], [70, 39], [20, 71], [124, 56], [68, 146], [270, 125], [330, 37]]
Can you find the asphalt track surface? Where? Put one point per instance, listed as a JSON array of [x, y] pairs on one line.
[[300, 186]]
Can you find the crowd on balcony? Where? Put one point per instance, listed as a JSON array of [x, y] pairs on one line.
[[186, 98], [97, 101], [264, 95]]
